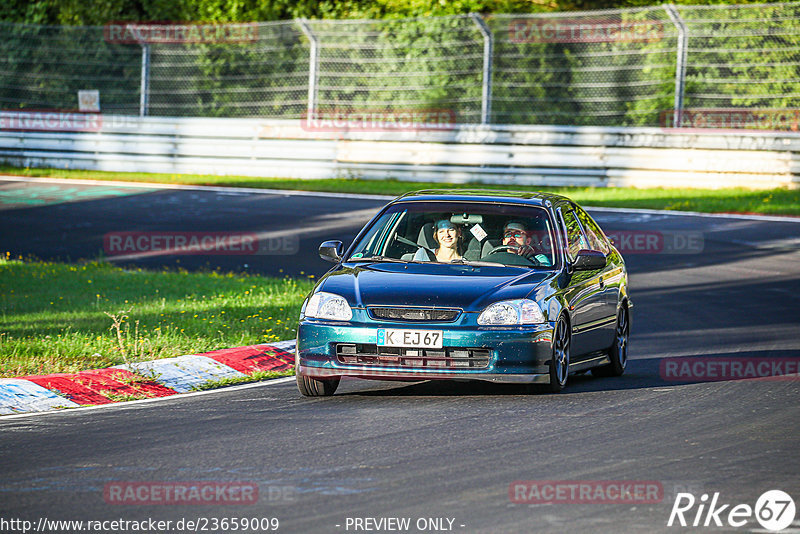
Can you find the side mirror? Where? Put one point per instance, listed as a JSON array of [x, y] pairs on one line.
[[331, 251], [589, 260]]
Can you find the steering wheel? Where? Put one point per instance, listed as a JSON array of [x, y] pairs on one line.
[[502, 248], [511, 251]]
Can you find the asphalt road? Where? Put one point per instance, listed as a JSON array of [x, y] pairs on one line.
[[432, 450], [75, 222]]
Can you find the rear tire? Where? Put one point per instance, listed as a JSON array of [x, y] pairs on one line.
[[559, 363], [312, 387], [618, 353]]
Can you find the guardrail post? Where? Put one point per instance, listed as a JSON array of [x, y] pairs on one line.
[[144, 90], [680, 63], [488, 48], [312, 65]]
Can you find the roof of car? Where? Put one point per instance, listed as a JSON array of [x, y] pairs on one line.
[[485, 195]]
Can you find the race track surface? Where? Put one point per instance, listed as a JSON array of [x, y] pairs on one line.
[[429, 450]]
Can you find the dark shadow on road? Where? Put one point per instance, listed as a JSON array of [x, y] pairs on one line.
[[640, 374], [74, 231]]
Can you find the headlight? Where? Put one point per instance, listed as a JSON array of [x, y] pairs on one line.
[[328, 306], [522, 311]]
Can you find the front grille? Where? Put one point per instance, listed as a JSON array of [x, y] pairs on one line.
[[422, 315], [445, 358]]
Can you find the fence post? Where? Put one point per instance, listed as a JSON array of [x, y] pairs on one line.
[[312, 66], [144, 90], [680, 63], [488, 47]]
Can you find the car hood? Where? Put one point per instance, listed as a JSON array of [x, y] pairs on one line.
[[415, 284]]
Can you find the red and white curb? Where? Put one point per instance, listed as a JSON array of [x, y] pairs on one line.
[[156, 378]]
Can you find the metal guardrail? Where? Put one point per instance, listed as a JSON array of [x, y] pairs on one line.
[[525, 155]]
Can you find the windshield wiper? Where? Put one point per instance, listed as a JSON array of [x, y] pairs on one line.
[[460, 261], [378, 259], [476, 263]]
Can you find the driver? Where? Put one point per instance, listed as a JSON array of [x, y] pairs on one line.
[[517, 236]]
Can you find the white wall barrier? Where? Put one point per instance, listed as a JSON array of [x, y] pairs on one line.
[[525, 155]]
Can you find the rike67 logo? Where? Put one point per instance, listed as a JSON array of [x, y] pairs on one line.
[[774, 511]]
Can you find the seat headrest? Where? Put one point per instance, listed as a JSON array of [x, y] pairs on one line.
[[425, 238]]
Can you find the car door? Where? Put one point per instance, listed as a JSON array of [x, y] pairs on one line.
[[612, 275], [584, 293]]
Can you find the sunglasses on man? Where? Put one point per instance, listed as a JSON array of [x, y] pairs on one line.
[[514, 234]]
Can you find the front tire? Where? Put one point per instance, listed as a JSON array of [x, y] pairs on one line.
[[559, 363], [618, 353], [312, 387]]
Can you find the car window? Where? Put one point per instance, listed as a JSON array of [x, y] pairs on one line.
[[597, 240], [372, 241], [575, 239]]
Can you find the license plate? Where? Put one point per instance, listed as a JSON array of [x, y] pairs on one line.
[[422, 339]]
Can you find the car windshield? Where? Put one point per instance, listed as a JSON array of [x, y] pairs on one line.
[[460, 232]]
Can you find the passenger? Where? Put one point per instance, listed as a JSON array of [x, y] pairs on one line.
[[517, 236], [448, 236]]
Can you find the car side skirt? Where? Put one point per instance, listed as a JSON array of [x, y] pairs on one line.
[[592, 361], [402, 374]]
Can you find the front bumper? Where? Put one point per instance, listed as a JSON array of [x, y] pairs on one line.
[[516, 354]]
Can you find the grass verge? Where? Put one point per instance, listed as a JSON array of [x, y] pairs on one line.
[[780, 201], [255, 377], [58, 317]]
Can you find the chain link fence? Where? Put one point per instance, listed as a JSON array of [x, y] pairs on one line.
[[610, 68], [654, 66], [743, 57]]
